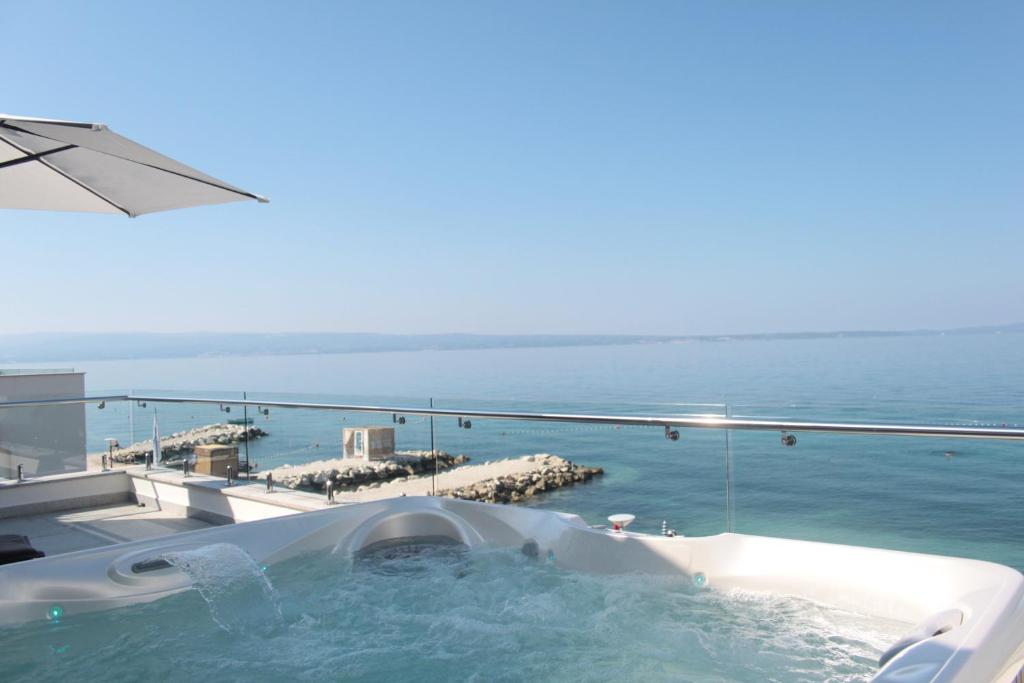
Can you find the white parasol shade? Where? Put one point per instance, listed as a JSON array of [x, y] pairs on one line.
[[68, 166]]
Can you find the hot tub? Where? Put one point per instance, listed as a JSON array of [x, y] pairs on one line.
[[444, 588]]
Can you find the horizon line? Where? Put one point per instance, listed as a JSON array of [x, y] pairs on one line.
[[49, 347], [624, 335]]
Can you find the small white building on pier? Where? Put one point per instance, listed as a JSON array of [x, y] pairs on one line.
[[368, 443]]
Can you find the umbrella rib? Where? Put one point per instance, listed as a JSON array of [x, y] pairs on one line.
[[53, 168], [250, 195], [261, 199], [36, 156], [85, 187], [4, 118]]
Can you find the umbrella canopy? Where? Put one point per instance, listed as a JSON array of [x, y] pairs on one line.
[[69, 166]]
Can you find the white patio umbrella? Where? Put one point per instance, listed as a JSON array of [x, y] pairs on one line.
[[68, 166]]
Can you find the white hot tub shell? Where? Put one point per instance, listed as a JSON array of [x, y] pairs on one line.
[[969, 614]]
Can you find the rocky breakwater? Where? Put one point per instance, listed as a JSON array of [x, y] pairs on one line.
[[179, 444], [551, 472], [349, 474]]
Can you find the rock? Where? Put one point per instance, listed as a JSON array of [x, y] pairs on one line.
[[549, 472], [179, 444], [554, 473]]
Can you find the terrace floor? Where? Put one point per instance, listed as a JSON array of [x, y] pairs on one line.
[[56, 533]]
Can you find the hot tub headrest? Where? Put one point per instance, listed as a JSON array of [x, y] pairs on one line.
[[935, 625], [410, 524]]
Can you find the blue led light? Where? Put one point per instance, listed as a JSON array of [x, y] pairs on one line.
[[55, 613], [699, 580]]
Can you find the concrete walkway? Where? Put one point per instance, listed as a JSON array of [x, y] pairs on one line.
[[56, 533]]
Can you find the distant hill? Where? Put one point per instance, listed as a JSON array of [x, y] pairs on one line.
[[36, 347]]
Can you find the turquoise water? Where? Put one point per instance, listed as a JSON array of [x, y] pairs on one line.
[[943, 496], [437, 613]]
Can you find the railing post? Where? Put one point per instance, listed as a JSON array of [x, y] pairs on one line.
[[730, 521]]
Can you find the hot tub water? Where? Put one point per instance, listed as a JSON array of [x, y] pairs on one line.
[[408, 611]]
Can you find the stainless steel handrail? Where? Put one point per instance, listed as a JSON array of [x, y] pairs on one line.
[[686, 422], [683, 421], [70, 400]]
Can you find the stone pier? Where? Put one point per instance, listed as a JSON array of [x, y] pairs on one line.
[[500, 481]]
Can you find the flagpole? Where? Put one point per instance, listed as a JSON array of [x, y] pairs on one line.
[[245, 432], [156, 441]]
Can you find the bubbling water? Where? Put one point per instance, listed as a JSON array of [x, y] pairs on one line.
[[439, 611]]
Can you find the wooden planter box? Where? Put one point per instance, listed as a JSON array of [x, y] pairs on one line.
[[215, 458]]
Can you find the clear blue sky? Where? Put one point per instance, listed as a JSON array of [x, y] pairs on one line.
[[530, 167]]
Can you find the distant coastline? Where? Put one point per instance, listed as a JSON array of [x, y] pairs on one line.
[[38, 347]]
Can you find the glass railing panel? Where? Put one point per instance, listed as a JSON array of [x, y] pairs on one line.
[[44, 440], [646, 474], [182, 428], [107, 423], [934, 495], [313, 440]]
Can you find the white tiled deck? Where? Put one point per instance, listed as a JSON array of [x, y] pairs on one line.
[[63, 532]]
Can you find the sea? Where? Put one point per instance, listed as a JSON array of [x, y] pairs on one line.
[[956, 497]]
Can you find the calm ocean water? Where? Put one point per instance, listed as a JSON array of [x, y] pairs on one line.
[[954, 497]]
